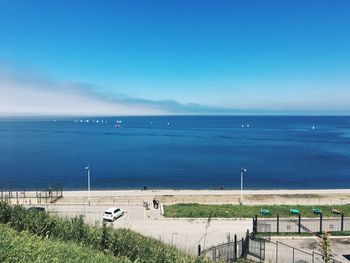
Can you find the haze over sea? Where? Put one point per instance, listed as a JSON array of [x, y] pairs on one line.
[[178, 152]]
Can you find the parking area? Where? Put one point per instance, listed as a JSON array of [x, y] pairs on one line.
[[183, 233]]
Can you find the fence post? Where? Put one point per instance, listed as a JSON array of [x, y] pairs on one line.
[[276, 251], [278, 224], [256, 224], [260, 251], [235, 248], [299, 224], [199, 250], [320, 223], [243, 248], [247, 242], [342, 223], [293, 254]]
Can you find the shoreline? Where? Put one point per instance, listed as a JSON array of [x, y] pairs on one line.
[[138, 192], [206, 192], [166, 197], [251, 197]]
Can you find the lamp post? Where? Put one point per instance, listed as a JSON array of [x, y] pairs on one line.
[[242, 173], [88, 178]]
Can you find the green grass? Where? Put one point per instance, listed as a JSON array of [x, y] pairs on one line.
[[121, 243], [24, 247], [247, 211]]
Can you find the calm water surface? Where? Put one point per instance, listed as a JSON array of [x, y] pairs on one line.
[[176, 152]]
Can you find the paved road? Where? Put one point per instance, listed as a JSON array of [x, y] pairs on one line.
[[183, 233]]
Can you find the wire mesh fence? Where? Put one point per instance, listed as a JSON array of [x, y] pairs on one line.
[[278, 252], [301, 225]]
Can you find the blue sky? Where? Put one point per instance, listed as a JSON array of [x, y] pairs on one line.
[[176, 57]]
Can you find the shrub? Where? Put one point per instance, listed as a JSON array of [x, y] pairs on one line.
[[25, 248]]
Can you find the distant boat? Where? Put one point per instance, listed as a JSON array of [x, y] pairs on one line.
[[118, 124], [247, 125], [313, 127], [168, 123], [242, 125]]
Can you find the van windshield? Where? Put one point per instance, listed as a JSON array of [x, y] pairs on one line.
[[108, 213]]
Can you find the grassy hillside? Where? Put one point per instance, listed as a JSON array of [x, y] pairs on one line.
[[25, 247], [244, 211], [117, 242]]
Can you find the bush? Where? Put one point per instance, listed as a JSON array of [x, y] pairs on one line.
[[25, 248]]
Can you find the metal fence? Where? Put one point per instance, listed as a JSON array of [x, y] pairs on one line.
[[228, 252], [260, 250], [301, 225], [231, 251], [42, 196], [278, 252]]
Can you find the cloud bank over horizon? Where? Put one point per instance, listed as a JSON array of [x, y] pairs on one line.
[[23, 94], [27, 94]]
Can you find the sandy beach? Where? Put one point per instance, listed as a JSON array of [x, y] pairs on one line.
[[251, 197]]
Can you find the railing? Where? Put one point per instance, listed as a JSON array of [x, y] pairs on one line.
[[228, 252], [43, 196]]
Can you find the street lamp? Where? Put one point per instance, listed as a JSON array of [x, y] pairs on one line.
[[242, 172], [88, 178]]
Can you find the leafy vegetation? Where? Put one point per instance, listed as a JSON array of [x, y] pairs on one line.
[[247, 211], [116, 242], [23, 247], [326, 248]]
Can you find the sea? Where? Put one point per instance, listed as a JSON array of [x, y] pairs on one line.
[[175, 152]]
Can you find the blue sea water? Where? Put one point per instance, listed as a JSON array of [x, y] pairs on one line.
[[182, 152]]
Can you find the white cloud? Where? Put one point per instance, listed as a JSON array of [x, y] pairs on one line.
[[23, 95], [27, 94]]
